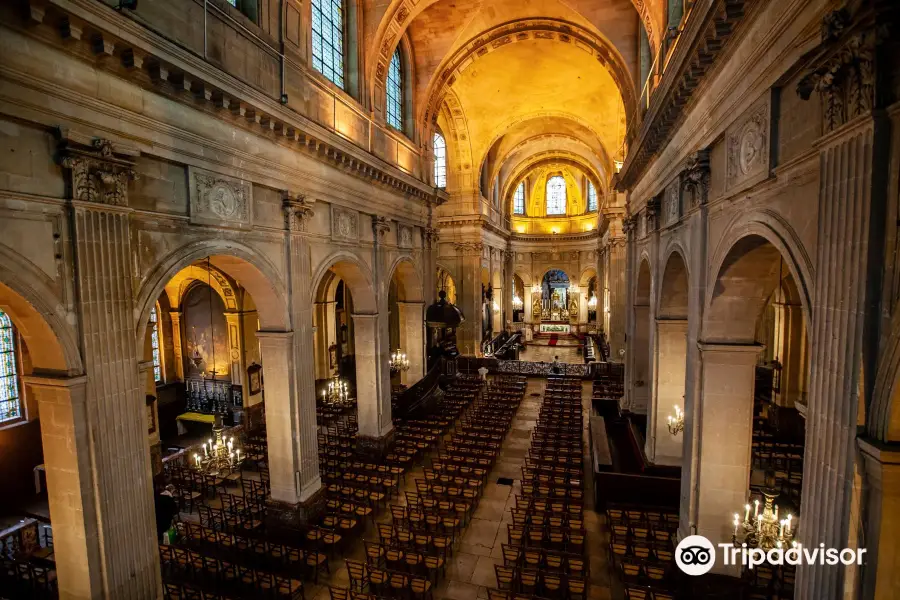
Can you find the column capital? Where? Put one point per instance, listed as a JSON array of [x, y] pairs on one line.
[[100, 170], [364, 315], [54, 381]]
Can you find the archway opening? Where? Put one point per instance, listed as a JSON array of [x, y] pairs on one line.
[[406, 306], [754, 374], [518, 300]]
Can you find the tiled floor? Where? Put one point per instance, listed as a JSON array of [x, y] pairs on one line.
[[471, 568]]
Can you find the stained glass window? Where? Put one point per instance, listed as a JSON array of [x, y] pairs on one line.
[[10, 399], [440, 161], [556, 195], [395, 92], [519, 200], [328, 39], [154, 341], [592, 197]]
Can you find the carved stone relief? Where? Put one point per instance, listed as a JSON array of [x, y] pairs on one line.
[[404, 236], [100, 170], [747, 145], [220, 200], [344, 224]]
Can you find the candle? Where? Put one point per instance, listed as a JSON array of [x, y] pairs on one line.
[[776, 512], [747, 512], [781, 530], [788, 524], [756, 510], [238, 451], [736, 521]]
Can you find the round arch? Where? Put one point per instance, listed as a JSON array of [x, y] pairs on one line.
[[536, 162], [548, 269], [355, 275], [178, 286], [405, 273], [524, 275], [241, 263], [27, 297], [586, 276], [672, 302], [772, 228], [643, 284]]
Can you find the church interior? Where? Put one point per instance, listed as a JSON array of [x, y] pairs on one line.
[[449, 299]]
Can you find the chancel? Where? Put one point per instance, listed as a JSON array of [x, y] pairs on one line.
[[450, 299]]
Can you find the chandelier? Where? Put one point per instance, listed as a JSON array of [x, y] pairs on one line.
[[676, 423], [592, 303], [399, 362], [764, 530], [517, 303], [219, 454], [336, 392]]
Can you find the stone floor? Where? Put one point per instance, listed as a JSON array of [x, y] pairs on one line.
[[471, 568], [566, 354]]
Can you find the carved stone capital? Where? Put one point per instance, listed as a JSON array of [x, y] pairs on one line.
[[432, 237], [469, 248], [695, 179], [653, 208], [99, 169], [380, 226], [843, 69], [297, 211], [629, 224]]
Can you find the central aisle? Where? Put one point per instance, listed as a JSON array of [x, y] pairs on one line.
[[470, 570]]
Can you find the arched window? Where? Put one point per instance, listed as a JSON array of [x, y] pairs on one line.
[[556, 195], [592, 197], [440, 161], [519, 200], [395, 92], [328, 39], [10, 390], [154, 341]]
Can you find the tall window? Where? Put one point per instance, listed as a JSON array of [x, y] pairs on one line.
[[328, 39], [395, 92], [440, 161], [592, 197], [519, 200], [10, 398], [154, 341], [556, 195]]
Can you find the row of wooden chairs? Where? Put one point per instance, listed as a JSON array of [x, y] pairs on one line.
[[391, 584], [23, 579], [541, 583], [544, 559], [398, 558]]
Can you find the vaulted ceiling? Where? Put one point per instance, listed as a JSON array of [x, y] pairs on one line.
[[514, 84]]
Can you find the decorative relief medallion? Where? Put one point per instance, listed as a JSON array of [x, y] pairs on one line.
[[219, 200], [404, 236], [344, 224], [747, 145]]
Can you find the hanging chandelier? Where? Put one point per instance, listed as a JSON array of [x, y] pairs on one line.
[[219, 454], [517, 303], [399, 362], [676, 423], [764, 530], [336, 392], [592, 303]]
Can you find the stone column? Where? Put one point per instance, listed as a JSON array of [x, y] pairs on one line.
[[412, 339], [853, 163], [724, 420], [881, 577], [65, 434], [175, 315], [497, 315], [235, 349], [325, 336], [468, 297], [116, 408], [373, 392], [670, 357], [617, 298]]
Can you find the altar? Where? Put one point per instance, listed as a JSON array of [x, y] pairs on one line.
[[555, 328]]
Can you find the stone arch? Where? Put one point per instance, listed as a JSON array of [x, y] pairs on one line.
[[27, 296], [586, 275], [643, 283], [883, 416], [548, 269], [178, 286], [772, 227], [524, 275], [547, 158], [673, 289], [240, 262], [355, 274], [408, 279]]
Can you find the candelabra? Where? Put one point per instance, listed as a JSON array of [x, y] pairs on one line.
[[219, 454], [399, 362], [763, 530], [676, 423], [336, 392]]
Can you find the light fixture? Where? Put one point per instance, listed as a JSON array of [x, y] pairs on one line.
[[517, 303], [496, 307], [554, 231], [676, 423], [764, 530], [219, 454], [536, 288], [336, 392], [399, 362], [618, 164], [592, 303]]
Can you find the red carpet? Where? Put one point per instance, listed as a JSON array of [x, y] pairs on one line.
[[554, 339]]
